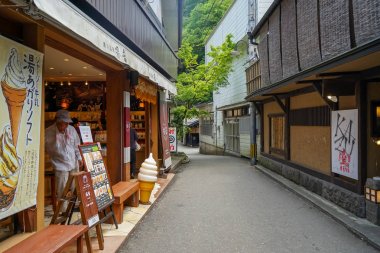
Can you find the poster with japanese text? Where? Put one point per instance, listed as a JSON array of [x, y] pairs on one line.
[[173, 139], [20, 110], [344, 143], [93, 163]]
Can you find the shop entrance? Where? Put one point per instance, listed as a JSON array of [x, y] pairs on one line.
[[80, 88]]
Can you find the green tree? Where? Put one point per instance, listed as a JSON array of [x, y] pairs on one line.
[[196, 84], [189, 6], [200, 23]]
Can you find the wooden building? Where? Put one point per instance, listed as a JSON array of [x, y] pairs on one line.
[[114, 57], [316, 86]]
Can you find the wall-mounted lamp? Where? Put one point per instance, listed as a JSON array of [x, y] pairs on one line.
[[333, 98], [86, 83], [236, 51]]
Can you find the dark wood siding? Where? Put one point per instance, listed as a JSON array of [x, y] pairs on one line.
[[312, 32], [335, 31], [263, 53], [289, 38], [308, 33], [275, 68], [366, 20], [142, 28], [312, 116]]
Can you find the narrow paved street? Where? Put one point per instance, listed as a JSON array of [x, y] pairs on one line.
[[221, 204]]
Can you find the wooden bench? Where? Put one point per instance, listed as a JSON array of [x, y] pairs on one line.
[[51, 239], [123, 191]]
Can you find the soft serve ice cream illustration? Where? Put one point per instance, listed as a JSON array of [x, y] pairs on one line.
[[9, 164], [14, 90], [147, 177]]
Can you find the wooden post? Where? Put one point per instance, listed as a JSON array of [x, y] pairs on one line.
[[34, 37], [117, 82]]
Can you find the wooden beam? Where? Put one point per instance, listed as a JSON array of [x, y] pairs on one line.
[[337, 74], [287, 129], [372, 72], [309, 81], [34, 37], [361, 100], [279, 102], [318, 88], [257, 107]]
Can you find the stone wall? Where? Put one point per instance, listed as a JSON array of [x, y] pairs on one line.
[[350, 201], [209, 149]]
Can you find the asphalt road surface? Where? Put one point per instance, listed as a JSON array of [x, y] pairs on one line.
[[222, 204]]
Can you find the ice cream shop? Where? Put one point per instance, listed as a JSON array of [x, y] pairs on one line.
[[110, 87]]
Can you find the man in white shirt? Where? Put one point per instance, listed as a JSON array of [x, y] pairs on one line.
[[61, 143]]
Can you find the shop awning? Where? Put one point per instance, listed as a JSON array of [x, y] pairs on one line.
[[233, 106], [65, 14]]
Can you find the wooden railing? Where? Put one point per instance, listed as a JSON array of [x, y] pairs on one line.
[[253, 77]]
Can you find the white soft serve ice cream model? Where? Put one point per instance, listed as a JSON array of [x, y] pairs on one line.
[[147, 177]]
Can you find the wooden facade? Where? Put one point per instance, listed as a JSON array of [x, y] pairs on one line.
[[20, 26], [134, 23], [316, 58], [298, 36]]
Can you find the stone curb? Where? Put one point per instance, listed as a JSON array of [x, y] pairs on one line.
[[175, 166], [362, 228]]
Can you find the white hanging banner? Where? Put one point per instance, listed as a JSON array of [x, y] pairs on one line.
[[344, 143]]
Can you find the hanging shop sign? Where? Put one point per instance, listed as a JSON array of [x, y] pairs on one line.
[[173, 139], [20, 110], [93, 163], [127, 127], [344, 143], [164, 131], [146, 91]]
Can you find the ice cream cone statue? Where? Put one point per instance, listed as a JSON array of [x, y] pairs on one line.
[[147, 177], [14, 90]]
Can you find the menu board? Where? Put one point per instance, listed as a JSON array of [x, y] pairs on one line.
[[94, 164], [86, 192]]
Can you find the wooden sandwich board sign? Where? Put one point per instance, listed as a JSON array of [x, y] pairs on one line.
[[84, 193], [93, 163], [88, 207]]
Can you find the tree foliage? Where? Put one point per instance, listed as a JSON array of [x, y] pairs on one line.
[[196, 84], [189, 5], [200, 23]]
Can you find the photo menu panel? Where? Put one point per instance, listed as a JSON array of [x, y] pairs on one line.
[[94, 164]]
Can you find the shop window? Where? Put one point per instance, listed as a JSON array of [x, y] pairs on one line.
[[206, 125], [277, 134]]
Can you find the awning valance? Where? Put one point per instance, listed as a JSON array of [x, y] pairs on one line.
[[71, 18]]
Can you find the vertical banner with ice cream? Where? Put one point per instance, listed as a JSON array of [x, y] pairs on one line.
[[20, 110], [164, 131]]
